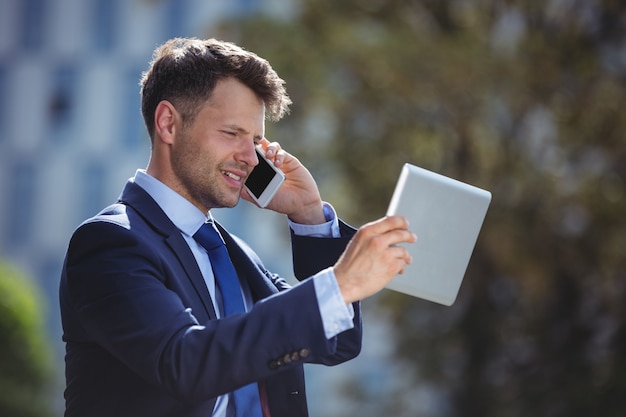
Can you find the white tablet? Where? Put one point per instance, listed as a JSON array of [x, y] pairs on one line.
[[446, 215]]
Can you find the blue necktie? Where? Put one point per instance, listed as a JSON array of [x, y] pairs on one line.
[[247, 401]]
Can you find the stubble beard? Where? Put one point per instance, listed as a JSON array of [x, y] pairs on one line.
[[199, 179]]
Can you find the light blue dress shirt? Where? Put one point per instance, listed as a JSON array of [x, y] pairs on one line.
[[336, 315]]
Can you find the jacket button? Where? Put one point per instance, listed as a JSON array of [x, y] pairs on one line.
[[287, 358], [273, 364], [304, 353]]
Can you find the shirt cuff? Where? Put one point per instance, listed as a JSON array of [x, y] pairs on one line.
[[336, 314], [328, 229]]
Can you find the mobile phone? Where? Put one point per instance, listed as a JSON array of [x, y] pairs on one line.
[[264, 180]]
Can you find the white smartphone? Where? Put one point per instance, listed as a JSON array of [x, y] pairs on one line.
[[264, 180]]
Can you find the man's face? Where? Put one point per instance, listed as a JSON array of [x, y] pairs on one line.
[[213, 157]]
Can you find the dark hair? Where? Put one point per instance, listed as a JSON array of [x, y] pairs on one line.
[[184, 71]]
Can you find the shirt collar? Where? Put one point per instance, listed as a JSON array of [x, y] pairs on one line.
[[185, 216]]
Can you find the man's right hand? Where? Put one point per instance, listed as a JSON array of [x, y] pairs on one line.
[[373, 258]]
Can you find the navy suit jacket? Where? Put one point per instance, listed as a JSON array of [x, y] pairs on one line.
[[141, 333]]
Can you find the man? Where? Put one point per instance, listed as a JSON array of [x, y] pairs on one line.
[[144, 309]]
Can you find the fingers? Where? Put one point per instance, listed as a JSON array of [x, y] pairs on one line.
[[396, 236], [374, 257], [273, 152], [387, 223], [396, 258], [393, 229], [402, 257]]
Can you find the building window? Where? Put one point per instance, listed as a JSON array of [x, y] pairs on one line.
[[32, 27], [247, 6], [47, 273], [61, 104], [105, 21], [93, 189], [134, 135], [21, 202], [174, 18], [3, 101]]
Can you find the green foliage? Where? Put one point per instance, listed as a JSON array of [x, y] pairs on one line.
[[523, 98], [24, 360]]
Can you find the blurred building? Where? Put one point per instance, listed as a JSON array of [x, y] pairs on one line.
[[71, 134], [71, 131]]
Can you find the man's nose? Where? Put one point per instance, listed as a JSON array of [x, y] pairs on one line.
[[248, 155]]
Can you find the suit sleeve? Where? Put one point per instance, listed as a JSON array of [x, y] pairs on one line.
[[310, 256]]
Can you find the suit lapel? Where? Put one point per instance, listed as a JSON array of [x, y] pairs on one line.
[[181, 250], [260, 284], [136, 197]]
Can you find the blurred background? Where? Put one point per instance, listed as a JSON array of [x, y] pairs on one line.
[[524, 98]]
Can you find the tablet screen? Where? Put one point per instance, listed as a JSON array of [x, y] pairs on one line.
[[446, 215]]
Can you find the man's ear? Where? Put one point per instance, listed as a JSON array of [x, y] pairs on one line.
[[165, 118]]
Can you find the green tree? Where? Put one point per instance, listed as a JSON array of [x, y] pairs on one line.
[[523, 98], [24, 353]]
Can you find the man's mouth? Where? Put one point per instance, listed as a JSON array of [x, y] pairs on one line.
[[231, 175]]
